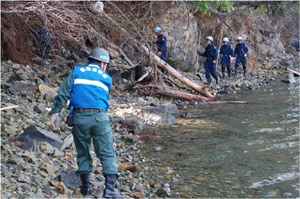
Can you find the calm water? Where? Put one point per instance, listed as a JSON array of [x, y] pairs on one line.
[[247, 150]]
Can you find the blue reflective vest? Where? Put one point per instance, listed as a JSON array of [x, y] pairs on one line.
[[90, 87]]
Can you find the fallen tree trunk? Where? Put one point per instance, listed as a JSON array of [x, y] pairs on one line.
[[177, 75], [167, 91], [159, 61]]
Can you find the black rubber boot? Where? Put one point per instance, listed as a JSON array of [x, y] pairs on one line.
[[217, 81], [223, 75], [86, 188], [208, 82], [110, 183]]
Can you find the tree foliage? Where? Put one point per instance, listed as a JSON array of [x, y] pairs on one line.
[[206, 7]]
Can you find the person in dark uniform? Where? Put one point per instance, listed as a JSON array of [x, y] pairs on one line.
[[211, 54], [44, 39], [161, 44], [88, 89], [240, 52], [227, 54]]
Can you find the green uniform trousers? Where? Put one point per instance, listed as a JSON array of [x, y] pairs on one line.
[[96, 126]]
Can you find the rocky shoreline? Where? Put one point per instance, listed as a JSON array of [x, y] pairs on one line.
[[43, 171]]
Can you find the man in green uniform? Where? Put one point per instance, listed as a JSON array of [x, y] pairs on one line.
[[88, 89]]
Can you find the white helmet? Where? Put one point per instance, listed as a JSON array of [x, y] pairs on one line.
[[226, 39], [157, 29], [209, 38], [239, 39]]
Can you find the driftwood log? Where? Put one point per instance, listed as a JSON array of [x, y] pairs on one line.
[[176, 74], [163, 90]]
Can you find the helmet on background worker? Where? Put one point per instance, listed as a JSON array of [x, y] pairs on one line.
[[226, 40], [157, 29], [209, 38], [238, 39]]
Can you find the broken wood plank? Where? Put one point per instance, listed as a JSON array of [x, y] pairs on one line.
[[8, 107], [294, 71], [143, 77]]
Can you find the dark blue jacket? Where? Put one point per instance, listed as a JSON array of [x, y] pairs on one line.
[[161, 43], [227, 50], [211, 52], [241, 49]]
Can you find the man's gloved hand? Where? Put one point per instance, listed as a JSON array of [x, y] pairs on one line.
[[55, 120], [231, 59], [159, 53], [215, 61], [245, 55]]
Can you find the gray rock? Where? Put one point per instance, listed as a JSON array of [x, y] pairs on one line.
[[46, 80], [171, 108], [188, 115], [38, 60], [32, 133], [175, 180], [161, 193], [29, 156], [38, 180], [40, 108], [24, 178], [158, 116], [17, 77], [158, 148], [4, 97], [70, 179], [129, 138], [133, 123], [37, 195], [58, 153], [21, 88], [15, 159]]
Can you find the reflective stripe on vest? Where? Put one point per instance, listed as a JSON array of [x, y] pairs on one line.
[[90, 87], [91, 82]]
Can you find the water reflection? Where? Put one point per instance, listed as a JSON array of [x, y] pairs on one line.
[[247, 150]]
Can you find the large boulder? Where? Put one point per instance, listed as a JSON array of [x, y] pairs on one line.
[[133, 123], [162, 115], [34, 135], [181, 29], [21, 88]]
